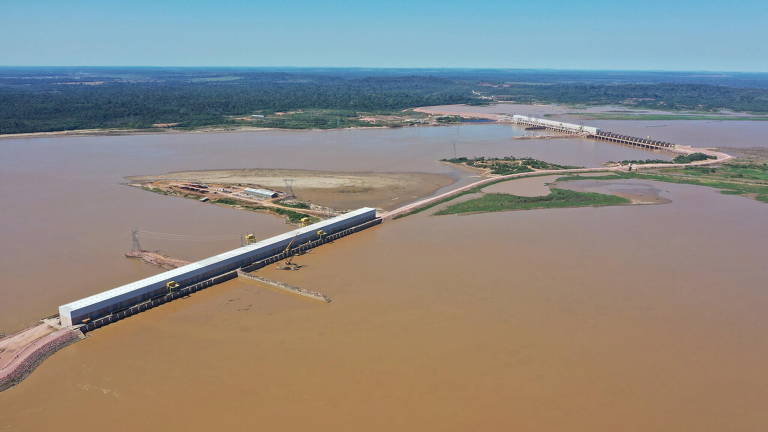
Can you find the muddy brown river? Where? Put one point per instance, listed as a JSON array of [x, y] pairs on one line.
[[630, 318]]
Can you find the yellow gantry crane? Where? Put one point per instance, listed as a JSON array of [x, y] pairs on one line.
[[171, 285]]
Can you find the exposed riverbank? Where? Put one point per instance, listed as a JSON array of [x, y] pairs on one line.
[[337, 190], [22, 352]]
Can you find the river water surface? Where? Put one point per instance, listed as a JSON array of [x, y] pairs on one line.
[[619, 318]]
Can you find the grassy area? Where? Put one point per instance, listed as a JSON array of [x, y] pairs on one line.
[[681, 159], [733, 188], [693, 157], [292, 216], [558, 198], [622, 116], [227, 201], [294, 204], [506, 165], [155, 190], [642, 161], [739, 178]]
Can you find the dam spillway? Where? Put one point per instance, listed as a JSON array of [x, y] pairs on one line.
[[105, 307], [590, 132]]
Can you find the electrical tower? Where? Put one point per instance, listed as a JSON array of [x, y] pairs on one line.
[[135, 246], [289, 187]]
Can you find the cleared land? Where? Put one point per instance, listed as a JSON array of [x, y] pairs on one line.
[[337, 190]]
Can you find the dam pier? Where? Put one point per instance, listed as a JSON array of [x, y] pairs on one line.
[[109, 306], [533, 123]]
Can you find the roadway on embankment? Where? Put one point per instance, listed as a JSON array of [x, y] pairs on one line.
[[719, 158], [21, 352]]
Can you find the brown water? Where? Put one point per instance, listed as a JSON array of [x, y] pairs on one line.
[[67, 218], [637, 191], [531, 186], [618, 318]]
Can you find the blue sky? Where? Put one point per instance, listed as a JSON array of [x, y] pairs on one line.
[[647, 35]]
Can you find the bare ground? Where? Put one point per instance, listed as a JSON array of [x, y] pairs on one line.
[[339, 190]]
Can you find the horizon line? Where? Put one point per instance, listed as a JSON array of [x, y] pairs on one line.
[[708, 71]]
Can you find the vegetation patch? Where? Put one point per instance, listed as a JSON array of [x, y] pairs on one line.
[[227, 201], [292, 216], [558, 198], [736, 178], [294, 204], [506, 165], [641, 161], [693, 157]]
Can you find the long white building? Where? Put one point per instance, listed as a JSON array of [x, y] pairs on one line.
[[125, 296]]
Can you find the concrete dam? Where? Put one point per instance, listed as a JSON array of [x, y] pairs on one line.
[[100, 309], [21, 352], [590, 132]]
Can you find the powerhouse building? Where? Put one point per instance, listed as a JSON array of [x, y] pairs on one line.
[[122, 297]]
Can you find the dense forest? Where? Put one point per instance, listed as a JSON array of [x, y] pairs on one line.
[[52, 99]]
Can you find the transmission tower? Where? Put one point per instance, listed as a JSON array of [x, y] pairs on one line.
[[289, 187], [135, 246]]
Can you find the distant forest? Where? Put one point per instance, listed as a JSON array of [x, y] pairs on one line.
[[54, 99]]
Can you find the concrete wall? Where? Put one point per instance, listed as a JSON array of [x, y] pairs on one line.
[[125, 296], [556, 124]]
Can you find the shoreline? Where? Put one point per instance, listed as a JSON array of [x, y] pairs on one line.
[[431, 110], [17, 362], [163, 131]]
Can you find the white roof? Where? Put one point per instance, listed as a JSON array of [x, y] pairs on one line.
[[170, 274], [261, 191]]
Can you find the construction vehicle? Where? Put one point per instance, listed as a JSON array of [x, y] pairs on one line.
[[171, 285], [289, 264], [304, 221]]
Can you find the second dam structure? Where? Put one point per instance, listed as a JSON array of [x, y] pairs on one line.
[[590, 132]]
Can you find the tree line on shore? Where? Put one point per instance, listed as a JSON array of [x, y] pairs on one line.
[[41, 100]]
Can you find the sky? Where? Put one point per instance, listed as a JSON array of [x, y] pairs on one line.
[[701, 35]]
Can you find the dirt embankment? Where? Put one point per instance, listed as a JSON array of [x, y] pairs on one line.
[[338, 190], [22, 352]]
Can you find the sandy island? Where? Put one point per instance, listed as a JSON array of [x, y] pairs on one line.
[[337, 190]]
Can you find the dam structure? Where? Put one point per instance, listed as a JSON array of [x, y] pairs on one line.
[[590, 132], [100, 309]]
